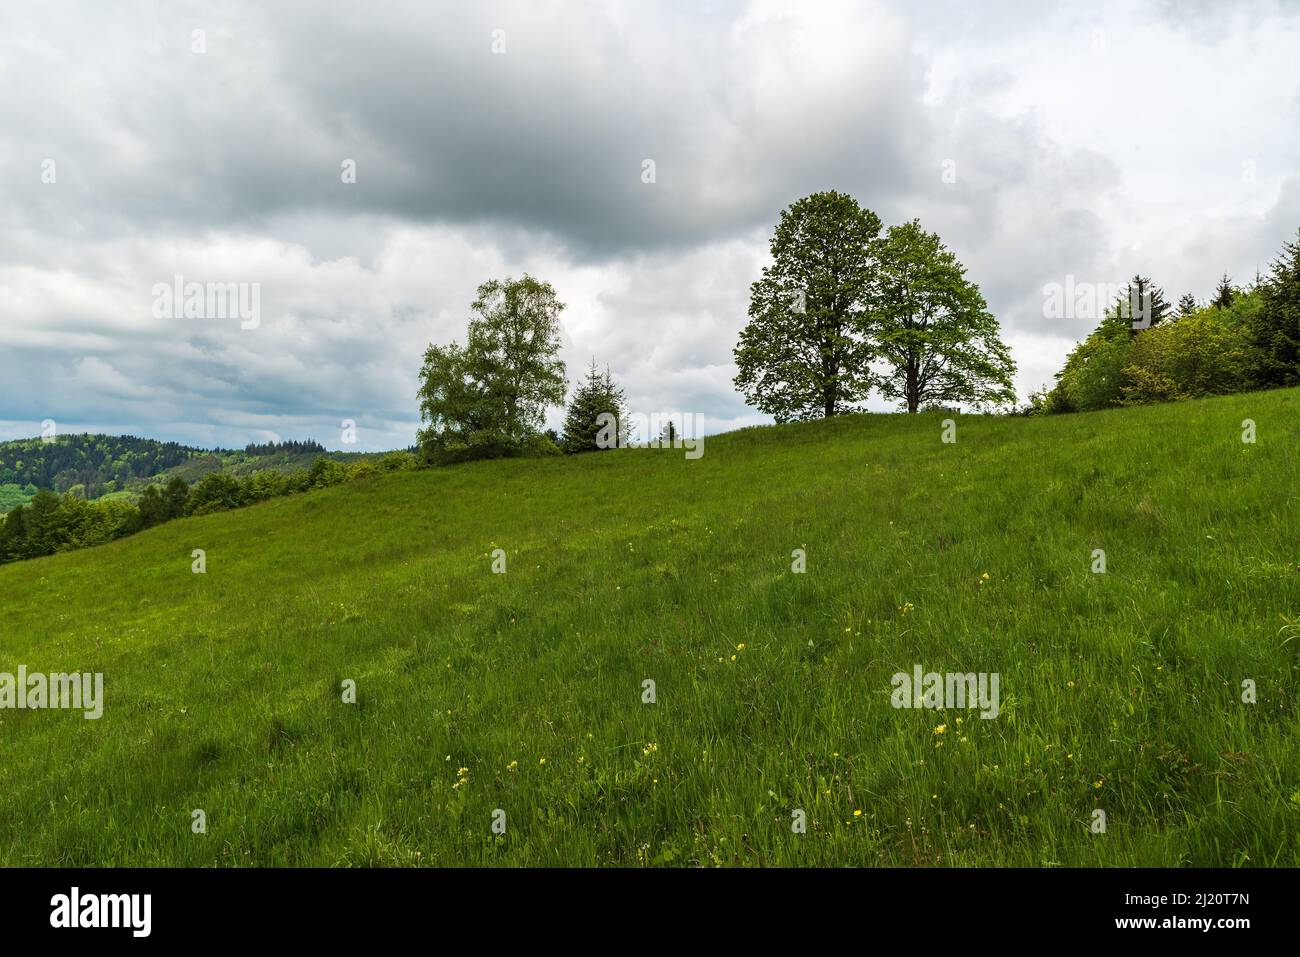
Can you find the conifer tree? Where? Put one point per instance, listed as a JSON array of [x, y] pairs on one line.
[[1275, 329], [1223, 293], [587, 427], [1143, 305]]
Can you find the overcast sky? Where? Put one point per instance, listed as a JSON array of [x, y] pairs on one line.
[[1087, 140]]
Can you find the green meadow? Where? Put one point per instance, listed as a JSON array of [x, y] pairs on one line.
[[1121, 691]]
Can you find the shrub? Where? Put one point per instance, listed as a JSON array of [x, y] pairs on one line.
[[326, 472], [398, 462], [217, 492], [1201, 354]]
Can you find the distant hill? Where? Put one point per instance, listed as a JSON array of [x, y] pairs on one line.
[[120, 466], [89, 464]]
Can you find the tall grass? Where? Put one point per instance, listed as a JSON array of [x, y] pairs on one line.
[[523, 691]]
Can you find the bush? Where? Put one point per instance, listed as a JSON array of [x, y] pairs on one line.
[[540, 446], [398, 462], [217, 492], [326, 472], [260, 486], [1202, 354], [1094, 373]]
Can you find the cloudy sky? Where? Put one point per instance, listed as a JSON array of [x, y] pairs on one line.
[[144, 140]]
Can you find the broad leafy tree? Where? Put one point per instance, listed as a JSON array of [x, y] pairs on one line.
[[803, 353], [932, 327], [488, 398]]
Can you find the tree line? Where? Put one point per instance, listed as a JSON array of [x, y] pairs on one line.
[[841, 310], [291, 447], [1241, 340], [96, 463], [52, 523]]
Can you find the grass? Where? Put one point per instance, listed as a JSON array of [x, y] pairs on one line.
[[523, 691]]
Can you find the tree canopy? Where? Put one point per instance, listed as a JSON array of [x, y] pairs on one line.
[[804, 352], [488, 398], [933, 329], [585, 424], [842, 310]]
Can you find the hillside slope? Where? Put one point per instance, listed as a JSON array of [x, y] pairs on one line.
[[523, 691]]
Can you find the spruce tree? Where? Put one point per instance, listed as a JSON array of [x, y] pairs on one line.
[[1223, 293], [1275, 329], [1143, 305], [584, 429], [1186, 305]]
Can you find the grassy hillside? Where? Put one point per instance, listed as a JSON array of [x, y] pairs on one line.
[[476, 691]]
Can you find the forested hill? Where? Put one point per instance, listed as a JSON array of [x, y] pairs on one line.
[[120, 466], [96, 463]]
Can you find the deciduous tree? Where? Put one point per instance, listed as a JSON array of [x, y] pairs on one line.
[[804, 352]]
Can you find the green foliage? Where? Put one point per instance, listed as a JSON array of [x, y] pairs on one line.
[[326, 472], [933, 329], [1275, 329], [93, 461], [13, 536], [290, 448], [596, 419], [488, 399], [51, 523], [837, 298], [269, 484], [1119, 691], [217, 493], [98, 466], [151, 507], [400, 461], [1093, 377], [541, 445], [1223, 293], [804, 351], [1142, 306], [12, 495], [361, 470], [1200, 354], [1241, 340]]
